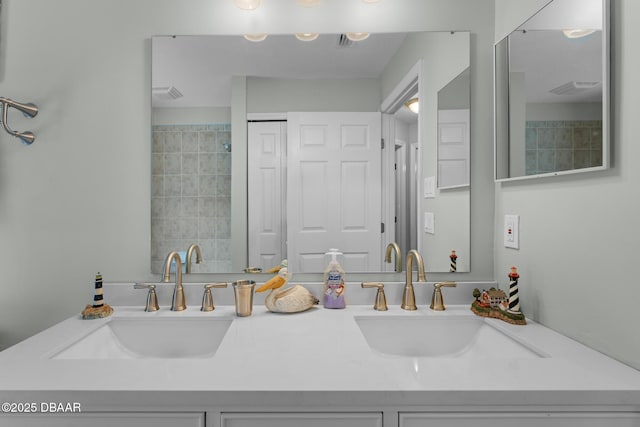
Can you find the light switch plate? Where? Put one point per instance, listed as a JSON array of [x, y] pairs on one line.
[[511, 231], [430, 187], [429, 223]]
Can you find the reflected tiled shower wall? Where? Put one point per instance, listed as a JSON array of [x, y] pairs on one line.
[[191, 194], [553, 146]]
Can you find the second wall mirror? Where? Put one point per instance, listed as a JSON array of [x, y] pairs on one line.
[[552, 92]]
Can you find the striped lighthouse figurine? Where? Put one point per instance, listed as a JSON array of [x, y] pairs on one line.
[[453, 266], [514, 301], [98, 309]]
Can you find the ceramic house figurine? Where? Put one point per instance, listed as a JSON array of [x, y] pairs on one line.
[[495, 303]]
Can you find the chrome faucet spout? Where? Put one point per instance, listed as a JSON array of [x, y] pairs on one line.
[[190, 251], [178, 303], [408, 295], [387, 257]]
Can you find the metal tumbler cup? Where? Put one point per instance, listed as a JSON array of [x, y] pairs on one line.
[[243, 293]]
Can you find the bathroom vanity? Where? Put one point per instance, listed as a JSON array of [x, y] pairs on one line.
[[353, 367]]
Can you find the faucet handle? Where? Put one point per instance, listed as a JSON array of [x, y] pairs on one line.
[[380, 303], [152, 297], [437, 301], [445, 284], [207, 297]]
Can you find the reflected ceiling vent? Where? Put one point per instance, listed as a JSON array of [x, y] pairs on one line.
[[166, 93], [573, 88], [350, 39], [344, 41]]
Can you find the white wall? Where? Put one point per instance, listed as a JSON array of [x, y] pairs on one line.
[[517, 123], [77, 201], [579, 234], [269, 95]]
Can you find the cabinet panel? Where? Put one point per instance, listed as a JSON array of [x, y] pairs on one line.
[[123, 419], [306, 419], [538, 419]]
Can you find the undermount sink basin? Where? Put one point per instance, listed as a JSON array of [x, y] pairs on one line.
[[440, 336], [157, 338]]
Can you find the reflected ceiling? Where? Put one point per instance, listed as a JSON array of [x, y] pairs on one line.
[[200, 67]]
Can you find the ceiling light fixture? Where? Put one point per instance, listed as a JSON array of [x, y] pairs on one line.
[[309, 3], [256, 37], [247, 4], [357, 37], [413, 104], [307, 37], [577, 33]]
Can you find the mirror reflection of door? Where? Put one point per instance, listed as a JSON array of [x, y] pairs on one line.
[[333, 197], [406, 175], [266, 162], [453, 148], [402, 126]]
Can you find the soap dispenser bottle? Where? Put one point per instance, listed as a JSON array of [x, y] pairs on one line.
[[333, 295]]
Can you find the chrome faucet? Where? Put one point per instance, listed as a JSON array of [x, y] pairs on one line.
[[190, 254], [387, 258], [178, 303], [408, 296]]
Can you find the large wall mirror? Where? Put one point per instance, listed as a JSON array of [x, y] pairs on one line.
[[552, 92], [260, 148]]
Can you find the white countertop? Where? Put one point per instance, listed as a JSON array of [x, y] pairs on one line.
[[315, 361], [318, 350]]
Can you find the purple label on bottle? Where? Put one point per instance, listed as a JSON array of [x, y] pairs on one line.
[[334, 296]]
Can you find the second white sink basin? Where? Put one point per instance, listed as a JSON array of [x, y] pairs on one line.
[[157, 338], [440, 336]]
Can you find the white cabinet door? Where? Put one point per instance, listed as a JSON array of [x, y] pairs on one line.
[[123, 419], [301, 419], [537, 419], [334, 196]]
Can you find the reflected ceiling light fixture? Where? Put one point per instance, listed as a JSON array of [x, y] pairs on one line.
[[577, 33], [414, 105], [166, 93], [357, 37], [370, 1], [308, 3], [247, 4], [307, 37], [572, 88], [259, 37]]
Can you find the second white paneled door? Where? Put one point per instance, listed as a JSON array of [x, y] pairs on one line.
[[453, 148], [266, 176], [334, 190]]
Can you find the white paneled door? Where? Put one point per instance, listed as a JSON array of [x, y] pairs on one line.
[[266, 160], [334, 190], [453, 148]]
